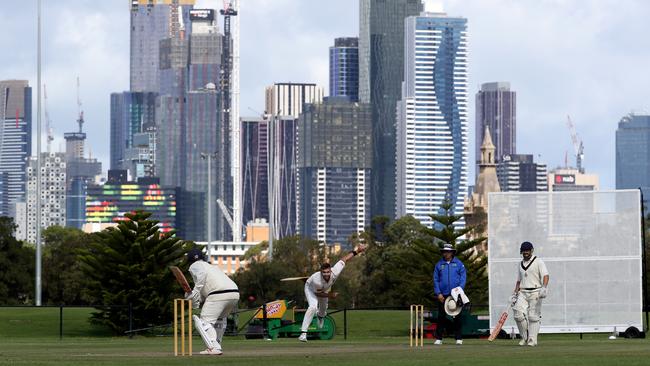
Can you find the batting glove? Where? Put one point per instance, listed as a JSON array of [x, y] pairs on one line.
[[513, 299], [543, 293]]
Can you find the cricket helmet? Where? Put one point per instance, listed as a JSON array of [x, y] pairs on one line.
[[525, 246], [452, 307], [194, 255]]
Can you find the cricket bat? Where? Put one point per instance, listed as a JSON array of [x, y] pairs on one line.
[[180, 278], [502, 320]]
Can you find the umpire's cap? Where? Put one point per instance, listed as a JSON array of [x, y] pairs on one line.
[[525, 246], [194, 255], [448, 248]]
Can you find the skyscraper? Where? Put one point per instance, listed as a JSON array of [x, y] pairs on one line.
[[131, 113], [151, 23], [80, 171], [381, 72], [288, 99], [520, 173], [255, 169], [432, 117], [344, 68], [15, 142], [496, 107], [632, 153], [334, 163]]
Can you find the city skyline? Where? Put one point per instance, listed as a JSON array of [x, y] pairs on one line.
[[557, 61]]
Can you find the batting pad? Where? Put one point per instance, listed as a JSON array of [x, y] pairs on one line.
[[591, 244]]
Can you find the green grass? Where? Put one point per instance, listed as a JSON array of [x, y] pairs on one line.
[[30, 337]]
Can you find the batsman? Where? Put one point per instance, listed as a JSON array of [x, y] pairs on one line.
[[219, 295], [530, 289]]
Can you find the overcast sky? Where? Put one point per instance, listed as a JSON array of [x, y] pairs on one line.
[[586, 59]]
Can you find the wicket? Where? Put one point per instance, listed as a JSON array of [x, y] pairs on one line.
[[181, 303], [416, 329]]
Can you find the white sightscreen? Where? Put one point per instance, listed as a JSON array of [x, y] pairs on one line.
[[591, 244]]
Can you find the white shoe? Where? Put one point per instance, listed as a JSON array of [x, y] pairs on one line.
[[459, 342], [211, 351], [522, 342], [531, 343], [303, 337], [321, 322], [438, 341]]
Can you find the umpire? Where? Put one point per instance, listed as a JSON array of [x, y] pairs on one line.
[[448, 274]]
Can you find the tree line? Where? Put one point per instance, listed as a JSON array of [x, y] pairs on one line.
[[129, 265]]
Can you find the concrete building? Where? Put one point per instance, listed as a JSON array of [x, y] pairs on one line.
[[257, 230], [53, 193], [520, 173], [288, 99], [570, 179], [228, 255], [344, 68], [496, 107], [432, 125], [132, 113], [15, 142], [334, 170], [381, 72]]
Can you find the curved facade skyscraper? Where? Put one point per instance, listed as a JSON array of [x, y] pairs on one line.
[[432, 124]]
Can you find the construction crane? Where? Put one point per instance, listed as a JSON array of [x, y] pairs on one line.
[[578, 147], [225, 211], [80, 111], [48, 122]]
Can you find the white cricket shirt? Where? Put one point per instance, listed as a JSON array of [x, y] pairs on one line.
[[531, 273], [316, 283]]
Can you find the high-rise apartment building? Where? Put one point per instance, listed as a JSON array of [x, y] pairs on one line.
[[334, 165], [432, 122], [496, 107], [254, 157], [633, 153], [381, 72], [288, 99], [53, 193], [344, 68], [15, 142], [520, 173]]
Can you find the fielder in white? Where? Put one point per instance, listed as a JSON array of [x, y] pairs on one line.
[[530, 289], [219, 295], [317, 288]]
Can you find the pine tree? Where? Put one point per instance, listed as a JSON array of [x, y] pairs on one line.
[[475, 262], [129, 264]]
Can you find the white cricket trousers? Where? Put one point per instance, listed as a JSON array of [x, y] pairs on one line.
[[528, 313], [316, 304], [215, 311]]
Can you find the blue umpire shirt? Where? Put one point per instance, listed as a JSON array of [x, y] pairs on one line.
[[447, 276]]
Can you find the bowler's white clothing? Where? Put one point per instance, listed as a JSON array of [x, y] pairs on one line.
[[316, 283]]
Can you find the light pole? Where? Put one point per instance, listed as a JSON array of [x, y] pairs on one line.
[[209, 157], [37, 287]]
